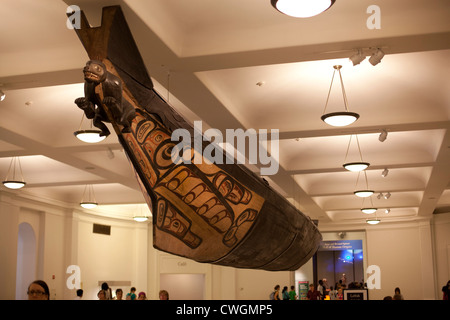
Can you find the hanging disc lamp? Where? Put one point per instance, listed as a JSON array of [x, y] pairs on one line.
[[302, 8], [341, 118]]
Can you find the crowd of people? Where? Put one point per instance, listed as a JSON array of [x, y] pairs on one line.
[[284, 295], [38, 290], [320, 293], [105, 293], [325, 292]]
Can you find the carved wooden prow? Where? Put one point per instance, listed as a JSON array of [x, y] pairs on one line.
[[113, 41], [209, 212]]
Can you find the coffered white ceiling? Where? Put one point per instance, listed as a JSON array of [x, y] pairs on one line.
[[241, 64]]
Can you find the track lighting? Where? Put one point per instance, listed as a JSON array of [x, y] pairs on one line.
[[357, 58], [387, 210], [2, 95], [376, 57], [302, 8], [385, 196], [385, 173], [383, 135], [376, 54]]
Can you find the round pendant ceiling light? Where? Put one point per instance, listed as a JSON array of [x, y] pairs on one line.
[[89, 136], [373, 221], [369, 210], [356, 166], [14, 184], [14, 172], [88, 205], [302, 8], [88, 200], [342, 118], [140, 218], [363, 193]]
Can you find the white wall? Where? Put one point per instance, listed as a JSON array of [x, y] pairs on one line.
[[64, 237], [404, 252], [414, 256], [395, 251], [121, 256], [9, 228], [441, 239], [26, 260], [258, 284]]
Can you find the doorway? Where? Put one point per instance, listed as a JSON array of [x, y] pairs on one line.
[[341, 260], [26, 260], [183, 286]]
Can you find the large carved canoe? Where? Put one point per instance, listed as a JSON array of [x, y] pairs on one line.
[[212, 213]]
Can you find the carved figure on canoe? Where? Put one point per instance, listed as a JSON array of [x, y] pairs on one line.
[[95, 74]]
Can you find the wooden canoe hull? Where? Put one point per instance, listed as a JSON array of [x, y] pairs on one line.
[[214, 213]]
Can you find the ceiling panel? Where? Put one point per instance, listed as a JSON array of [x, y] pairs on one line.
[[241, 64]]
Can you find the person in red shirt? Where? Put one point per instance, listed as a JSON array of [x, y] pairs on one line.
[[312, 294]]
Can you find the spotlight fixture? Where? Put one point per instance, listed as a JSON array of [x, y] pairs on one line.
[[373, 221], [90, 201], [15, 169], [376, 57], [383, 135], [302, 8], [387, 210], [385, 173], [343, 118], [2, 95], [89, 135], [357, 58], [379, 196], [387, 195], [355, 166]]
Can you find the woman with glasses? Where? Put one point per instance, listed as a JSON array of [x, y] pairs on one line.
[[38, 290]]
